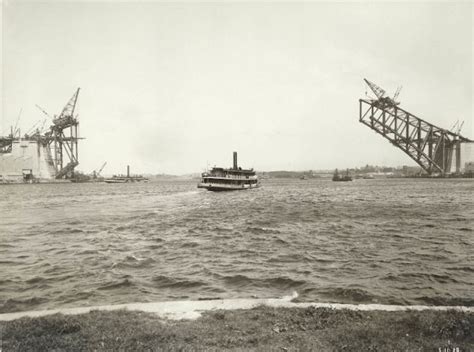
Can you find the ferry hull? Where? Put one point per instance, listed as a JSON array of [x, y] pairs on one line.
[[224, 188]]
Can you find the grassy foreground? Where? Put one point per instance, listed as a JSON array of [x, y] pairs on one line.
[[259, 329]]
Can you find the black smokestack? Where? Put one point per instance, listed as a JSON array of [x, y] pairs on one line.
[[128, 170], [235, 161]]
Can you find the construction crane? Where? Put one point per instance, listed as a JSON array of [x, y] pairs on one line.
[[41, 130], [43, 111], [16, 129], [429, 146], [6, 142], [33, 128], [380, 94], [96, 174], [397, 93], [63, 140], [459, 127]]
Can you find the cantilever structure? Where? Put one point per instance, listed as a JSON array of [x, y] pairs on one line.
[[38, 155], [60, 142], [430, 146]]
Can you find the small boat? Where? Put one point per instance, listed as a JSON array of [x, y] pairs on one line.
[[232, 179], [82, 178], [125, 178], [341, 178]]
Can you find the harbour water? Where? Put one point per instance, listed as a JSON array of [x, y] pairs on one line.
[[392, 241]]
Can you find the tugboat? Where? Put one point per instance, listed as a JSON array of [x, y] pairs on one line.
[[234, 179], [341, 178]]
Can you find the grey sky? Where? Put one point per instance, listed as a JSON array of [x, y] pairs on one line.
[[168, 88]]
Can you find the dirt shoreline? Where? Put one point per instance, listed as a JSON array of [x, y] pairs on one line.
[[258, 329]]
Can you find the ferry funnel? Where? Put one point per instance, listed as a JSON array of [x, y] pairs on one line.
[[235, 161]]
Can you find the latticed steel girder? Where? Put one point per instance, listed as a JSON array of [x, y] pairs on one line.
[[64, 144], [430, 146]]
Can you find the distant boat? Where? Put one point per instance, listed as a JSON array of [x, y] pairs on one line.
[[86, 179], [341, 178], [233, 179], [125, 178]]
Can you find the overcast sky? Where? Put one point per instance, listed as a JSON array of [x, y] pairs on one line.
[[171, 88]]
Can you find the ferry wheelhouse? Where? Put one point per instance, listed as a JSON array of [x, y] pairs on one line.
[[234, 179]]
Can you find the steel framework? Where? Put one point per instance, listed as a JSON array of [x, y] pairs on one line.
[[62, 139], [430, 146]]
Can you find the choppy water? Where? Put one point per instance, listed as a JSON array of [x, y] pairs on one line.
[[371, 241]]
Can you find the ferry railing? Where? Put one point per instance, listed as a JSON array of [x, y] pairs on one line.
[[253, 177]]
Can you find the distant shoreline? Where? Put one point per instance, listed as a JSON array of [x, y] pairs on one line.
[[275, 175]]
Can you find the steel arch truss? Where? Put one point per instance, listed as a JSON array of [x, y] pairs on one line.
[[430, 146]]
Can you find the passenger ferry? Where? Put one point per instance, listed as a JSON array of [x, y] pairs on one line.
[[234, 179]]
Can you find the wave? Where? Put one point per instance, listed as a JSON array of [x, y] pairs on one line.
[[446, 301], [190, 244], [131, 261], [281, 282], [424, 277], [6, 245], [350, 295], [463, 268], [65, 231], [35, 280], [116, 285], [16, 305], [290, 258], [168, 282], [261, 230]]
